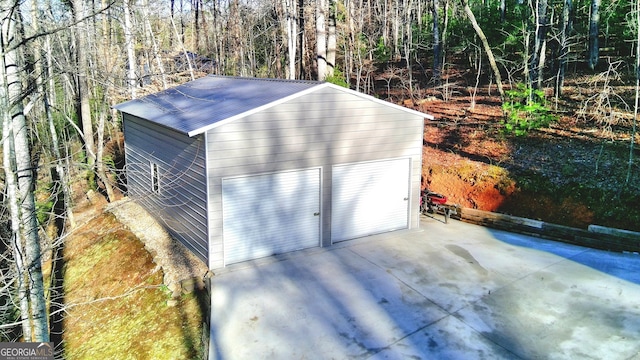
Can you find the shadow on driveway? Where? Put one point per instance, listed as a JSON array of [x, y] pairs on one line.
[[455, 291]]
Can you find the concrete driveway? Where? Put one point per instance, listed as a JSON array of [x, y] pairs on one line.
[[455, 291]]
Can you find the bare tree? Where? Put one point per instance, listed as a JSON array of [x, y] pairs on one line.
[[130, 45], [408, 41], [20, 179], [537, 56], [567, 28], [321, 40], [43, 93], [437, 43], [485, 44], [594, 23], [637, 95], [154, 44], [82, 87], [331, 39], [291, 35]]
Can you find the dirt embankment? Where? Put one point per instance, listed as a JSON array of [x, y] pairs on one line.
[[572, 173]]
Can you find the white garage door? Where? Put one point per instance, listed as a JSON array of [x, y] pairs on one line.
[[270, 214], [369, 198]]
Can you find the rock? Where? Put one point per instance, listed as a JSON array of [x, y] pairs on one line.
[[190, 285], [427, 99], [173, 286], [94, 197], [176, 294]]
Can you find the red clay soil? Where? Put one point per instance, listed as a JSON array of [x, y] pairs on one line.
[[467, 159]]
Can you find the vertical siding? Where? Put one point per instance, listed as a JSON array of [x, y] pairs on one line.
[[322, 129], [180, 205]]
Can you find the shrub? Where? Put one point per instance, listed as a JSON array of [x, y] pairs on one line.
[[337, 79], [525, 110]]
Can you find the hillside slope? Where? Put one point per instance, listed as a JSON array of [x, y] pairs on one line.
[[572, 173], [117, 306]]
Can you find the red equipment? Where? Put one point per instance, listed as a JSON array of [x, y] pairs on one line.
[[432, 202]]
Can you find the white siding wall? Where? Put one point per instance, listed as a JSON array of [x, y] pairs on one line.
[[323, 128], [180, 204]]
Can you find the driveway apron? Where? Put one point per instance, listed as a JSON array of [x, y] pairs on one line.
[[447, 291]]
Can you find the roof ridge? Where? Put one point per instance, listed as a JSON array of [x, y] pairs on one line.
[[301, 81]]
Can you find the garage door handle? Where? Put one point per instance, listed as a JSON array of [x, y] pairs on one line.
[[316, 214]]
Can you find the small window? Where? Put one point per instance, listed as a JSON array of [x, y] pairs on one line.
[[155, 178]]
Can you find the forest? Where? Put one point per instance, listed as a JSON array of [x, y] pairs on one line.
[[506, 75]]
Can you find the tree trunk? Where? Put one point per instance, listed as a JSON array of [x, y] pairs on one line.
[[289, 7], [20, 176], [321, 40], [485, 44], [11, 190], [184, 50], [130, 45], [637, 97], [172, 14], [195, 5], [536, 61], [567, 26], [437, 45], [350, 43], [302, 45], [385, 23], [408, 43], [396, 30], [594, 21], [443, 43], [83, 89], [55, 143], [234, 30], [100, 163], [331, 39], [154, 44], [205, 29], [216, 37], [28, 221]]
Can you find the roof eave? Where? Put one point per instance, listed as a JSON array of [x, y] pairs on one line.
[[379, 101], [302, 93]]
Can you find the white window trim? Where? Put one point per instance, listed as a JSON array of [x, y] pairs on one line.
[[155, 178]]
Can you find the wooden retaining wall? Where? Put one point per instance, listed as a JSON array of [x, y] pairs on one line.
[[598, 237]]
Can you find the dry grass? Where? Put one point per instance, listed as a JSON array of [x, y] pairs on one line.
[[117, 303]]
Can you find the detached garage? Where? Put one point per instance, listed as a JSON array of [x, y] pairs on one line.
[[243, 168]]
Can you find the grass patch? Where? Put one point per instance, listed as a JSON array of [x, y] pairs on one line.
[[474, 172], [118, 306]]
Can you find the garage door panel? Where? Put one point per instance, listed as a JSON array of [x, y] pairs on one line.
[[369, 198], [270, 214]]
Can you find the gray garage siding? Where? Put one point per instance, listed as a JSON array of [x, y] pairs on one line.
[[181, 202], [324, 128]]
